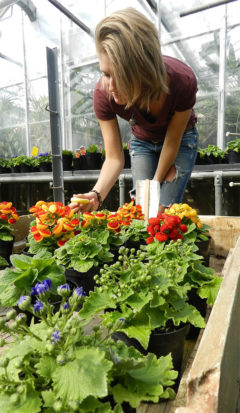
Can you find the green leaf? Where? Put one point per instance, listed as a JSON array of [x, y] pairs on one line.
[[96, 302], [29, 403], [10, 295], [3, 262], [210, 290], [82, 265], [21, 261], [26, 279], [46, 366], [83, 377], [188, 314]]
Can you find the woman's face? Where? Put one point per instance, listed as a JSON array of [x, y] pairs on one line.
[[106, 69]]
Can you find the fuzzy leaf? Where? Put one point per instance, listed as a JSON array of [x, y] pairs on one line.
[[96, 302], [46, 366], [10, 295], [21, 261], [30, 403], [210, 290], [82, 265], [188, 314], [83, 377]]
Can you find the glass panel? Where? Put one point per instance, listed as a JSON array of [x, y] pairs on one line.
[[11, 57], [37, 100], [12, 109], [12, 142], [40, 136], [232, 109]]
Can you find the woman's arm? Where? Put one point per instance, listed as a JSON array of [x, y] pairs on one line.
[[176, 128], [112, 166]]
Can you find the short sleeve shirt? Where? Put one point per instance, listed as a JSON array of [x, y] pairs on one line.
[[181, 96]]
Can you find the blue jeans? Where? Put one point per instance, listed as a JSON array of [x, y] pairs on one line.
[[144, 162]]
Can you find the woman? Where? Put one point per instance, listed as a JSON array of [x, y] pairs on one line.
[[155, 94]]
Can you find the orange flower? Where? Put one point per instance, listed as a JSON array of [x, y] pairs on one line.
[[100, 216], [113, 225], [38, 237], [88, 216], [45, 233]]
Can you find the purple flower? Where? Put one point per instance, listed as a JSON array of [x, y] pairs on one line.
[[38, 307], [56, 336], [65, 307], [41, 288], [63, 290], [79, 292], [21, 317], [122, 320], [24, 302]]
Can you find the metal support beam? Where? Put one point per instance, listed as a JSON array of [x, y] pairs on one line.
[[218, 194], [55, 123], [71, 16], [222, 81], [205, 7]]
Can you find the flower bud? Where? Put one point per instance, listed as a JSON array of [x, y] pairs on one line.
[[57, 406], [11, 315], [24, 302], [14, 399]]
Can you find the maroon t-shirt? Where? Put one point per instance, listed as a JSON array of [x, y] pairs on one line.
[[181, 96]]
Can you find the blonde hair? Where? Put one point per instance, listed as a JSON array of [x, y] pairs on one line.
[[132, 45]]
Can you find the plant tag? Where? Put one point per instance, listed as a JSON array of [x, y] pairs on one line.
[[148, 196], [34, 151]]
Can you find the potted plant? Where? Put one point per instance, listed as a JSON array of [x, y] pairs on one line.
[[93, 157], [56, 366], [8, 216], [233, 151], [127, 159], [24, 273], [212, 154], [24, 163], [5, 165], [45, 162], [54, 224], [149, 289], [67, 159]]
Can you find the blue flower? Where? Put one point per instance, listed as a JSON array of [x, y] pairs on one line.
[[63, 290], [38, 307], [122, 320], [21, 317], [56, 336], [65, 307], [24, 302], [41, 288], [79, 292]]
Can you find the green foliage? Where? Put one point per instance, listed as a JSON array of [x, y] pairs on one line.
[[44, 157], [55, 365], [24, 160], [233, 145], [211, 150], [5, 163], [24, 273], [67, 152], [150, 287], [92, 148], [88, 249]]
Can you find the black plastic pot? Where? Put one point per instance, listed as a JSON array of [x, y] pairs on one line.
[[94, 160], [82, 279], [25, 168], [127, 159], [161, 343], [204, 250], [4, 170], [201, 305], [6, 248], [15, 169], [233, 156], [67, 160], [45, 167]]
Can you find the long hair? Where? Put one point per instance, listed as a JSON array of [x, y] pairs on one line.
[[132, 45]]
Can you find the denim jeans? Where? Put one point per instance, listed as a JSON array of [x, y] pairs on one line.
[[144, 162]]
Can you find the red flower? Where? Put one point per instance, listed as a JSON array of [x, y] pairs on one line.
[[183, 228], [149, 240], [150, 230], [161, 237]]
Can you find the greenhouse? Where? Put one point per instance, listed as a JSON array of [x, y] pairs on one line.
[[119, 206]]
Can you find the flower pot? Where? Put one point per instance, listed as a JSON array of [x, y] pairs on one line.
[[201, 305], [15, 169], [233, 156], [76, 164], [82, 279], [25, 169], [67, 162], [6, 248], [203, 249], [94, 160], [161, 343], [45, 167], [127, 159], [4, 170]]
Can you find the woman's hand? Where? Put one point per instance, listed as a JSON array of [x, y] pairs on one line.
[[84, 202]]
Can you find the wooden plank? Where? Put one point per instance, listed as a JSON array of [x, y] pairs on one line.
[[213, 381]]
